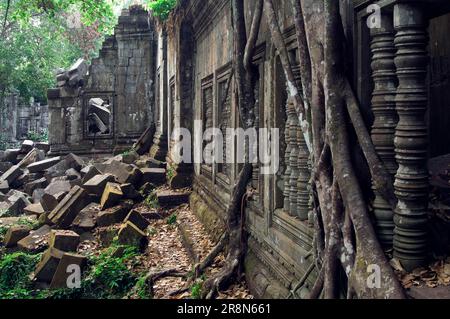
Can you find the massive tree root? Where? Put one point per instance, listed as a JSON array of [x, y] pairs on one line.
[[345, 241]]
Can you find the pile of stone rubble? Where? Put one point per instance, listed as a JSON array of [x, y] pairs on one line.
[[70, 197]]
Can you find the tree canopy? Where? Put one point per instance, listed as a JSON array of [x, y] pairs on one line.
[[162, 8], [39, 36]]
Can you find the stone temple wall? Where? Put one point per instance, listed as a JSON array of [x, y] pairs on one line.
[[122, 77]]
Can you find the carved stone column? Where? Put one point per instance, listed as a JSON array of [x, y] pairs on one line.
[[287, 154], [385, 118], [293, 162], [411, 181]]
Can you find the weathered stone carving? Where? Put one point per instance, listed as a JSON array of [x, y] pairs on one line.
[[385, 119], [411, 182]]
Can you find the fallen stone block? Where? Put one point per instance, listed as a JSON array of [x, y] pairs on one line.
[[43, 165], [32, 186], [48, 202], [150, 163], [18, 203], [89, 172], [101, 126], [65, 269], [64, 240], [12, 174], [124, 173], [36, 241], [86, 220], [4, 186], [74, 161], [34, 209], [26, 146], [72, 174], [46, 268], [145, 142], [114, 215], [15, 234], [129, 157], [43, 146], [106, 235], [111, 195], [4, 166], [37, 195], [65, 212], [137, 219], [33, 156], [102, 112], [156, 176], [130, 192], [58, 186], [97, 184], [130, 234], [11, 155], [171, 198]]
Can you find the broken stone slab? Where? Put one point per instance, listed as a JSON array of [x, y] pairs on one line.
[[86, 220], [15, 234], [37, 195], [99, 124], [26, 146], [137, 219], [111, 195], [33, 156], [4, 186], [145, 142], [34, 209], [103, 113], [11, 155], [58, 186], [80, 68], [106, 235], [89, 172], [18, 201], [37, 184], [150, 163], [67, 210], [130, 192], [96, 101], [171, 198], [36, 241], [131, 235], [66, 268], [156, 176], [46, 268], [64, 240], [4, 166], [97, 184], [69, 161], [72, 174], [12, 174], [114, 215], [43, 165], [124, 173], [43, 146], [48, 202], [129, 157]]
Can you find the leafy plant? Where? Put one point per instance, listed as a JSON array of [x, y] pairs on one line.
[[141, 288], [38, 137], [196, 290], [170, 173], [151, 201], [172, 219], [14, 275], [162, 8]]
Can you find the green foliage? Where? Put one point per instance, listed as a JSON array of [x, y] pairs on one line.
[[141, 288], [14, 275], [162, 8], [42, 36], [151, 201], [38, 137], [170, 173], [172, 219], [196, 290]]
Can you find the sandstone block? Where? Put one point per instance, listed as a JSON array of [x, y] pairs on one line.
[[137, 219], [111, 195], [14, 234], [43, 165], [64, 240], [97, 184], [65, 212]]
